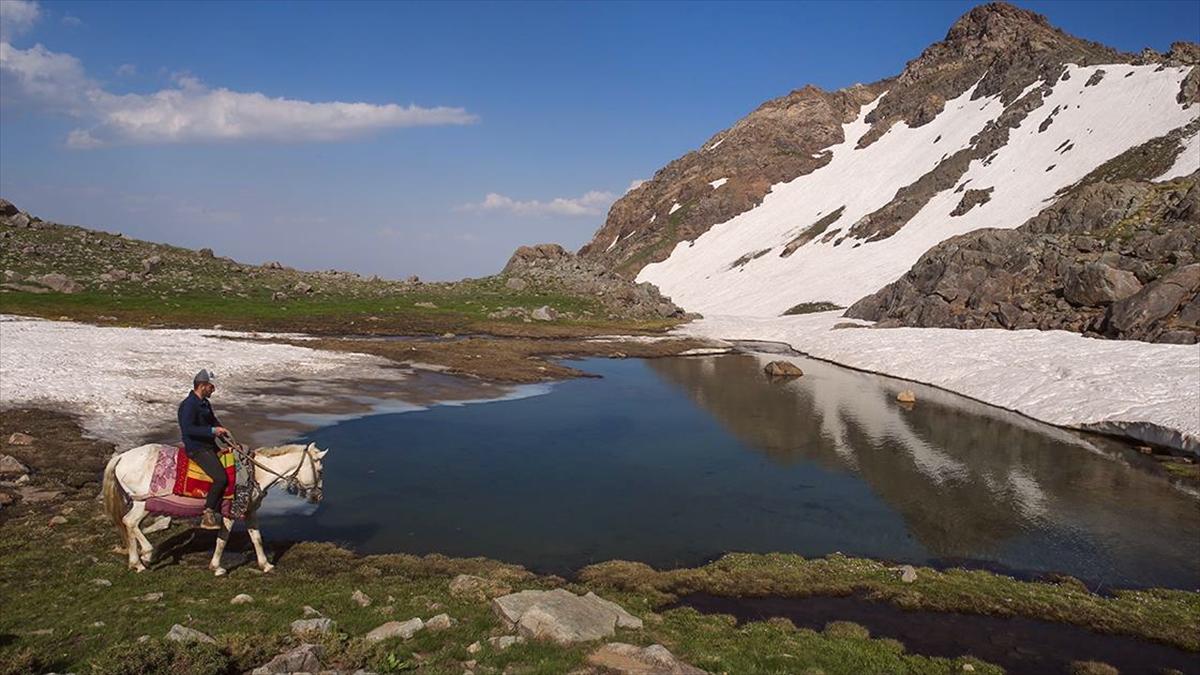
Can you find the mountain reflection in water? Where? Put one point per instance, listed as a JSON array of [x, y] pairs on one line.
[[676, 461], [969, 479]]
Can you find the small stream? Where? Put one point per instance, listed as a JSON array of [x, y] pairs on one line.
[[1019, 645]]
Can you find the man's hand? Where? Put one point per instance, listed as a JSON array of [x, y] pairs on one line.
[[220, 431]]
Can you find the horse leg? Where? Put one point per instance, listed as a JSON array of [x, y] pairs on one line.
[[222, 539], [132, 520], [256, 538]]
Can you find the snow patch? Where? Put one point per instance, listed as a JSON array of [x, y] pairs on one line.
[[719, 182], [1187, 162], [674, 207], [714, 145], [125, 383], [1102, 121], [614, 243], [1149, 392]]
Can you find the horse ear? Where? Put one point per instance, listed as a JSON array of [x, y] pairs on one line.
[[322, 453]]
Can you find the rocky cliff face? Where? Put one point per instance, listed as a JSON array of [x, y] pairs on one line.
[[996, 48], [1111, 259]]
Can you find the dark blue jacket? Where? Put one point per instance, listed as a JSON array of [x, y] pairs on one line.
[[196, 422]]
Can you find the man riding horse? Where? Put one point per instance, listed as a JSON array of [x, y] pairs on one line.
[[199, 427]]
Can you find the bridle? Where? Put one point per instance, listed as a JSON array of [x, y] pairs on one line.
[[290, 479]]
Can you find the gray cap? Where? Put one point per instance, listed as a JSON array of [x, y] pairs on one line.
[[203, 376]]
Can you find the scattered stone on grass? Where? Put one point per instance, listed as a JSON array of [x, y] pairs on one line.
[[320, 626], [562, 616], [305, 658], [468, 586], [18, 438], [391, 629], [439, 622], [10, 466], [626, 659], [505, 641], [150, 597], [241, 599], [180, 633], [908, 574], [360, 598]]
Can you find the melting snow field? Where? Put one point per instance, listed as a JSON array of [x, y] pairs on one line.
[[1145, 391], [125, 383], [1092, 124]]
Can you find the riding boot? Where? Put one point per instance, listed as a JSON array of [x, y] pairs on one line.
[[209, 520]]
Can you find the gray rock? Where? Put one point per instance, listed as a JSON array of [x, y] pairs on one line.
[[206, 252], [279, 296], [439, 622], [18, 438], [393, 629], [102, 583], [302, 288], [319, 626], [544, 313], [361, 599], [60, 283], [516, 284], [305, 658], [180, 633], [783, 369], [150, 597], [1096, 284], [908, 574], [619, 658], [1155, 302], [10, 466], [505, 641], [244, 599], [152, 264], [561, 616]]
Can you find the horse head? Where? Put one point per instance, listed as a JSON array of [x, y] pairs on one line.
[[311, 478]]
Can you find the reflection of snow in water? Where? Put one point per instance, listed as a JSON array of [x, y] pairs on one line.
[[280, 503], [382, 406]]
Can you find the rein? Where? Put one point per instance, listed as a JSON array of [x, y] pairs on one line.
[[291, 479]]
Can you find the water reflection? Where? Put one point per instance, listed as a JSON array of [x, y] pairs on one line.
[[970, 481]]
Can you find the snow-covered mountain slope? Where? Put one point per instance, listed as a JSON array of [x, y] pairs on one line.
[[1089, 115]]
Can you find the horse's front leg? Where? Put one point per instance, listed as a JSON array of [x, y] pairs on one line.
[[222, 539], [134, 536], [256, 538]]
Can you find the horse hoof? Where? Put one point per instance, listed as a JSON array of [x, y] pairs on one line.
[[267, 568], [220, 572], [138, 568], [147, 558]]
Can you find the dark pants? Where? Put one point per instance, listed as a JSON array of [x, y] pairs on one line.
[[207, 459]]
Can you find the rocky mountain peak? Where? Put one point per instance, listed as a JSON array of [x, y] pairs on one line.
[[995, 22]]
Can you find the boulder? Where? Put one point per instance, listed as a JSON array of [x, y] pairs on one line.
[[8, 209], [505, 641], [1098, 284], [60, 283], [626, 659], [783, 369], [302, 288], [184, 634], [305, 658], [19, 438], [908, 574], [516, 284], [279, 296], [906, 396], [439, 622], [243, 599], [1156, 301], [318, 626], [152, 264], [10, 466], [544, 313], [206, 252], [561, 616], [393, 629], [361, 599]]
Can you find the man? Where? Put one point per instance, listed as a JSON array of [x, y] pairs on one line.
[[200, 428]]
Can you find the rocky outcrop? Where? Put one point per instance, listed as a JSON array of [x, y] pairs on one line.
[[626, 659], [561, 616], [1110, 259], [549, 267]]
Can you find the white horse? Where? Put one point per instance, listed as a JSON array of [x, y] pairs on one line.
[[128, 475]]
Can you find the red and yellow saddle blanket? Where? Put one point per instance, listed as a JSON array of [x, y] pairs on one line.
[[189, 479]]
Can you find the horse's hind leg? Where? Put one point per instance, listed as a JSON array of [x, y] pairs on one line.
[[256, 538], [132, 521], [222, 539]]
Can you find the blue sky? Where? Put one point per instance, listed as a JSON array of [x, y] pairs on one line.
[[474, 127]]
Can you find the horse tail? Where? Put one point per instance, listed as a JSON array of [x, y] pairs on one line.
[[114, 500]]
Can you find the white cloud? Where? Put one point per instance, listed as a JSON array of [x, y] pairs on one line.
[[17, 17], [126, 70], [635, 184], [590, 203], [190, 111]]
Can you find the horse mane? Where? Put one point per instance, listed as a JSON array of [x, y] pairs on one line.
[[278, 450]]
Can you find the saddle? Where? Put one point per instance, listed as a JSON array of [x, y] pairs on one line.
[[192, 481], [178, 485]]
